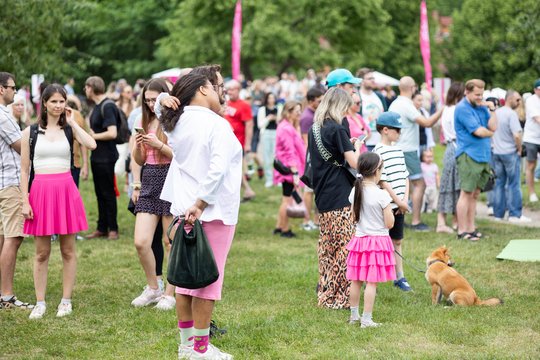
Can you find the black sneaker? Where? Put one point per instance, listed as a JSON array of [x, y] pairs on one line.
[[277, 231], [215, 331], [288, 234], [420, 227]]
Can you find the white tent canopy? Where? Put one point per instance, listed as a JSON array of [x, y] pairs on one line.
[[383, 79], [173, 72]]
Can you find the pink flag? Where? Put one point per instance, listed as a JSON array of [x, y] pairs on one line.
[[424, 43], [236, 40]]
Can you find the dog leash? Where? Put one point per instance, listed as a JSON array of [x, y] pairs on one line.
[[411, 265]]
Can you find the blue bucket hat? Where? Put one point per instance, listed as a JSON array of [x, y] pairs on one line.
[[390, 119], [341, 76]]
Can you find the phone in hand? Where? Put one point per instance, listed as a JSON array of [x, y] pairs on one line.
[[362, 137], [140, 130]]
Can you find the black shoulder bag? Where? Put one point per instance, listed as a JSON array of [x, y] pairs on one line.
[[191, 262]]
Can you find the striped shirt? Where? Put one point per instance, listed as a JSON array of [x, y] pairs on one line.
[[10, 160], [394, 170]]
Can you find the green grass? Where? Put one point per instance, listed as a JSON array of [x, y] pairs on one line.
[[269, 301]]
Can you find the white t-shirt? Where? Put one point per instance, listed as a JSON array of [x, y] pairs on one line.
[[374, 201], [394, 170], [410, 133], [372, 107], [447, 123], [531, 132]]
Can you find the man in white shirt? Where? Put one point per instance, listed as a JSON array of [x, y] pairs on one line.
[[409, 143], [11, 219], [373, 104], [531, 137]]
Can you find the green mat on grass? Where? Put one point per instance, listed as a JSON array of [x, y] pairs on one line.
[[521, 250]]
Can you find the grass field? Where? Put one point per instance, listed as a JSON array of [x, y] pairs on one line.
[[269, 301]]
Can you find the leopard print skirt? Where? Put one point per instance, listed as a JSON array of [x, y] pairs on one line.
[[336, 231]]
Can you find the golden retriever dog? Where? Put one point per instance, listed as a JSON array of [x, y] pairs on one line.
[[446, 281]]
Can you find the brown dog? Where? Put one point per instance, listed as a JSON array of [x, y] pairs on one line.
[[447, 281]]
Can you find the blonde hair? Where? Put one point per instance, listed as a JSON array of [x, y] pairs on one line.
[[334, 105], [471, 84], [288, 108]]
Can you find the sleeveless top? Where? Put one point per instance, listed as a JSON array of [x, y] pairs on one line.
[[52, 154], [152, 155]]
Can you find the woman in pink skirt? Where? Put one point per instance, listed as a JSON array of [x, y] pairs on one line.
[[371, 253], [52, 203]]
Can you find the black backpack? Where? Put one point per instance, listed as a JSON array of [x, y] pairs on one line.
[[122, 129], [34, 131]]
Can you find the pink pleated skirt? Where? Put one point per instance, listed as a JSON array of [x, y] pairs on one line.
[[57, 206], [371, 259]]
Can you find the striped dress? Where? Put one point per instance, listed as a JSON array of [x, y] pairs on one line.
[[394, 169]]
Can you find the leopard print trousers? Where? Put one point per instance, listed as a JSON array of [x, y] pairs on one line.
[[336, 231]]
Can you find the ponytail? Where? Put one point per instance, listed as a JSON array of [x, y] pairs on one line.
[[358, 196], [368, 164]]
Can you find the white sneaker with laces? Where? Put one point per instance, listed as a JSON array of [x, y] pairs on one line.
[[38, 312], [368, 323], [521, 219], [212, 353], [166, 303], [64, 309], [184, 351], [148, 296], [533, 198]]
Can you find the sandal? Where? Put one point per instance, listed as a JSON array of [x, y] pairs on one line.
[[444, 229], [477, 233], [467, 236], [14, 303]]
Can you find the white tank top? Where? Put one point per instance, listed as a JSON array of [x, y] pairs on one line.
[[51, 154]]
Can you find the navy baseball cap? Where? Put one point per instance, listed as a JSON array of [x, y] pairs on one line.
[[390, 119], [537, 84], [341, 76]]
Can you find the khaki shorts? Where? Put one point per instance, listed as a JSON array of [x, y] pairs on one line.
[[472, 175], [11, 217]]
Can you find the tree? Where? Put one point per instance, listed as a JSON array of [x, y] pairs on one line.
[[496, 41], [277, 35]]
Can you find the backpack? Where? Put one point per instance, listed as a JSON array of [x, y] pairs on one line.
[[122, 129], [34, 131]]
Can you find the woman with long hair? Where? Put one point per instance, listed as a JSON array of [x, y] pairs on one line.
[[331, 149], [154, 155], [449, 186], [267, 117], [208, 166], [290, 150], [53, 205]]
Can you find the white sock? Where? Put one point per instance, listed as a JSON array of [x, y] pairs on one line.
[[65, 301], [366, 316], [354, 312], [41, 303]]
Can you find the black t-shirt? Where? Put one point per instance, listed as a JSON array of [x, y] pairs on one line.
[[272, 124], [332, 184], [105, 150]]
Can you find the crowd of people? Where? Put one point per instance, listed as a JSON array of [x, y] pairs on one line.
[[352, 153]]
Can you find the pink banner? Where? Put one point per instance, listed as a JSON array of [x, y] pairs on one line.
[[424, 43], [236, 40]]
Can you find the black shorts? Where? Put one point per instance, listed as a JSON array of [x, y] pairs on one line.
[[532, 151], [287, 188], [396, 233]]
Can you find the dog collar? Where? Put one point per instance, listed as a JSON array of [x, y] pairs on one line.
[[436, 261]]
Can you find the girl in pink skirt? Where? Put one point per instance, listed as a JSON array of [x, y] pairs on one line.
[[52, 203], [371, 253]]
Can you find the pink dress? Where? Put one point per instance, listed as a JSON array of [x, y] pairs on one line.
[[358, 127], [290, 150]]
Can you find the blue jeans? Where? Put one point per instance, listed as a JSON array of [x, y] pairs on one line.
[[507, 189]]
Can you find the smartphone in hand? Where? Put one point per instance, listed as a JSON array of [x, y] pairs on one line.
[[140, 130]]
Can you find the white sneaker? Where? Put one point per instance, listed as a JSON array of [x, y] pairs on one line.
[[212, 353], [533, 198], [184, 351], [166, 303], [521, 219], [64, 309], [368, 323], [38, 312], [490, 211], [148, 296]]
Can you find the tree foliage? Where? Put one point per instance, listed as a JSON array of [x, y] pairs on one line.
[[496, 41]]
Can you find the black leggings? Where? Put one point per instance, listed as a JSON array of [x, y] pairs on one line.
[[157, 248]]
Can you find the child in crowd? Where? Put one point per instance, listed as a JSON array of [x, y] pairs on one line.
[[395, 180], [371, 253], [430, 171]]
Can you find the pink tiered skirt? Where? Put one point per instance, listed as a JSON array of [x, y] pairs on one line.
[[57, 206], [371, 259]]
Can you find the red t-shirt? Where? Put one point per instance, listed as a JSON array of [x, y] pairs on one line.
[[237, 113]]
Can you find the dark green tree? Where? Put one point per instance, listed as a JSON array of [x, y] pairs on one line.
[[496, 41]]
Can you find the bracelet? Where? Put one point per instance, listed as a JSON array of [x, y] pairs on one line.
[[136, 186], [295, 173], [162, 144]]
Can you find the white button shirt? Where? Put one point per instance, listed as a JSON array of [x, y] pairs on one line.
[[207, 165]]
